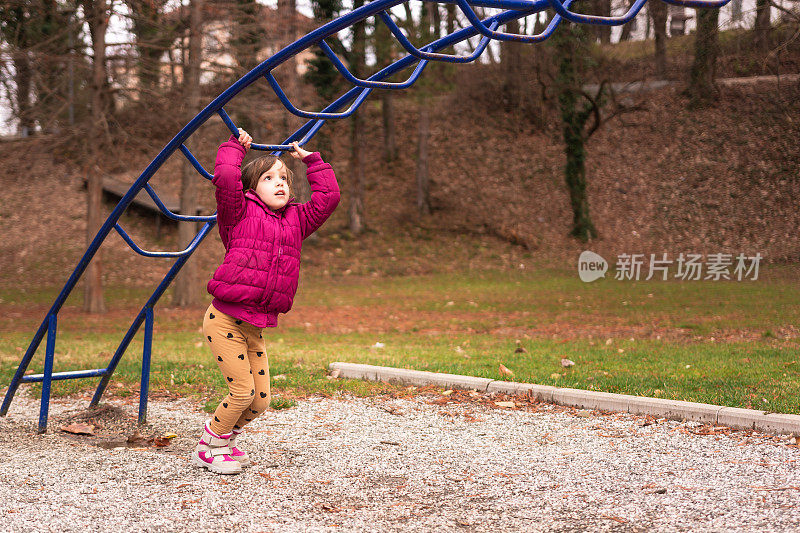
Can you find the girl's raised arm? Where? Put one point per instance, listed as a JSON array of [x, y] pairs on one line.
[[324, 192], [228, 181]]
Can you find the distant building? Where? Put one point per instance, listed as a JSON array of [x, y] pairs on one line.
[[218, 32]]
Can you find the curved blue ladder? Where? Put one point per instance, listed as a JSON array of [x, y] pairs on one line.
[[487, 29]]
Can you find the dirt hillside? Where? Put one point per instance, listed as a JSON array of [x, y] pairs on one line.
[[663, 179]]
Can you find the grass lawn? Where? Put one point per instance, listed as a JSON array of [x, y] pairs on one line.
[[730, 343]]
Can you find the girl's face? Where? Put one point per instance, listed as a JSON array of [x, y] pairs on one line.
[[273, 186]]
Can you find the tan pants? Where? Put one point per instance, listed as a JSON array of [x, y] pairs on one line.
[[239, 350]]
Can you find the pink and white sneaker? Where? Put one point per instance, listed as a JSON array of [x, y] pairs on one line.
[[236, 453], [214, 453]]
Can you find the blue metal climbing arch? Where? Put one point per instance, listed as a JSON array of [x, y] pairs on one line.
[[417, 57]]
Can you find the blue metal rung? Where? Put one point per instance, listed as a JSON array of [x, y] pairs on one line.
[[370, 82], [195, 163], [490, 33], [702, 4], [174, 216], [58, 376], [425, 52], [189, 249], [228, 122], [562, 10], [310, 114]]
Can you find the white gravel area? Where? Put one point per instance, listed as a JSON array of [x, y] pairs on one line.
[[400, 464]]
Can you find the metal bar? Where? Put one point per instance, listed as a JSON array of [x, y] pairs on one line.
[[228, 122], [151, 303], [195, 163], [57, 376], [580, 18], [337, 63], [490, 32], [144, 384], [310, 114], [707, 4], [189, 249], [169, 214], [425, 53], [47, 377]]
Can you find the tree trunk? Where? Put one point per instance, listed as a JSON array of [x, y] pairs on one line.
[[511, 60], [658, 11], [150, 44], [436, 20], [627, 28], [702, 88], [187, 290], [22, 66], [762, 26], [423, 192], [383, 55], [389, 143], [569, 85], [356, 210], [602, 8], [451, 18], [96, 14]]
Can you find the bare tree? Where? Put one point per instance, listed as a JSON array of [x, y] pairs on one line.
[[96, 13], [425, 31], [357, 66], [36, 34], [153, 37], [187, 291], [702, 87], [382, 42], [625, 35], [762, 25], [658, 12], [513, 74]]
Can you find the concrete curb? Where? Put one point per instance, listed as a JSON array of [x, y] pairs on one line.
[[733, 417]]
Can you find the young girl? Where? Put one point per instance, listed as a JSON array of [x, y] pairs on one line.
[[262, 229]]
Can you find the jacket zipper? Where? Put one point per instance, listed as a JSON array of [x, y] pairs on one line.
[[277, 263]]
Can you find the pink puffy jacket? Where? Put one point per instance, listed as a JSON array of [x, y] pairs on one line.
[[258, 277]]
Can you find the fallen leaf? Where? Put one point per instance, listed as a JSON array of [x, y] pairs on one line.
[[135, 438], [555, 375], [79, 428], [505, 371], [567, 362], [279, 377], [160, 442], [447, 392], [505, 404], [378, 345]]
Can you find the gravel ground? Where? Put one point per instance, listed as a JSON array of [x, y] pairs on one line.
[[420, 463]]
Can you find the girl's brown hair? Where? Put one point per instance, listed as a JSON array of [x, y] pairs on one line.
[[256, 168]]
